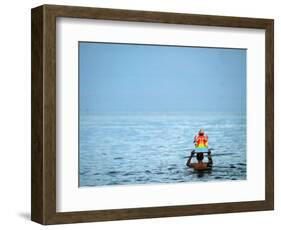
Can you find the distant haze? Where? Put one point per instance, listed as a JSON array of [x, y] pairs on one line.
[[151, 78]]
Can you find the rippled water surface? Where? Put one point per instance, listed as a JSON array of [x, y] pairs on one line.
[[119, 149]]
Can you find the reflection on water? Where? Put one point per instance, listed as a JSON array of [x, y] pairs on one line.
[[120, 149]]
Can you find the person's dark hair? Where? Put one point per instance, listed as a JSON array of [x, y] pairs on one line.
[[200, 156]]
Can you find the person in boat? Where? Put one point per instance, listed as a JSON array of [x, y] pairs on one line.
[[201, 145]]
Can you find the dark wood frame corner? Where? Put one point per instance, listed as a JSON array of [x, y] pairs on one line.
[[43, 160]]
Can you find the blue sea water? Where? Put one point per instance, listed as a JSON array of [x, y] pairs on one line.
[[152, 148]]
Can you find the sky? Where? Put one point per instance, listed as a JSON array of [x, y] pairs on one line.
[[157, 78]]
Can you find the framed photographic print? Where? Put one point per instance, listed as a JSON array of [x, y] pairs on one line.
[[140, 114]]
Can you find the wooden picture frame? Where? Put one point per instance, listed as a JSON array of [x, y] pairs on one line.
[[43, 160]]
